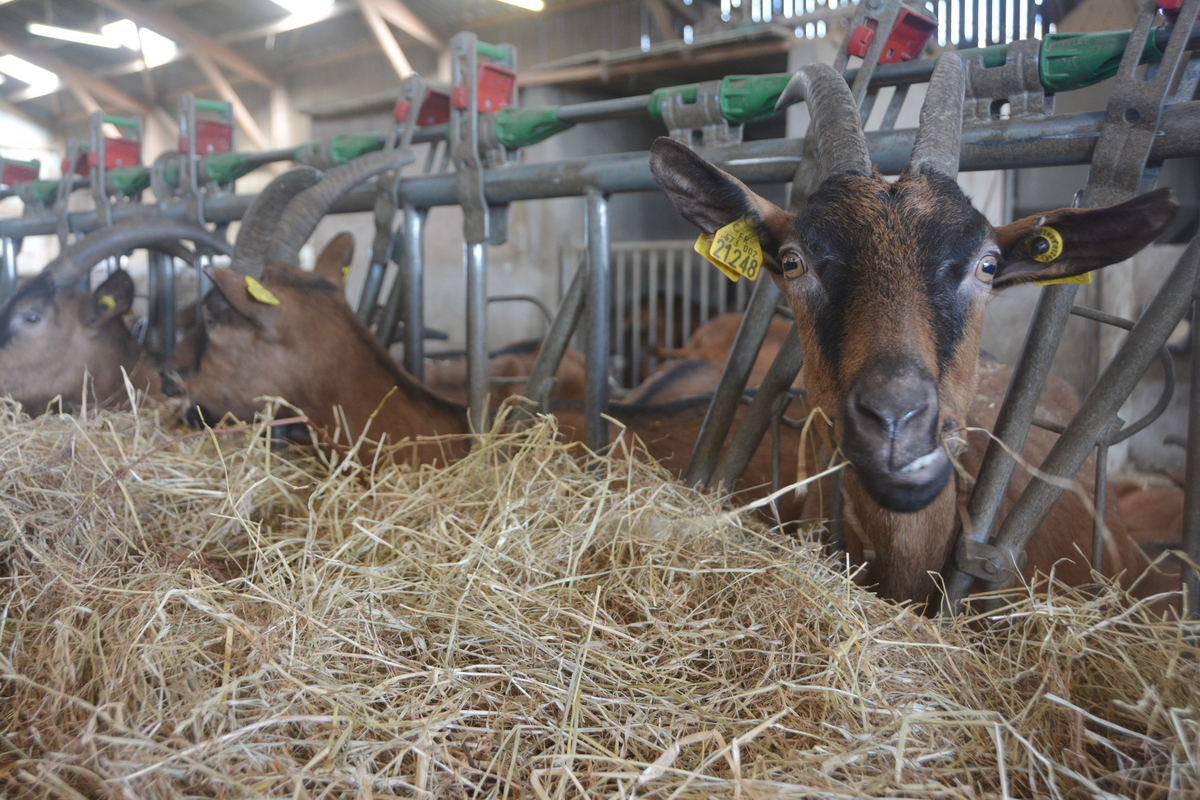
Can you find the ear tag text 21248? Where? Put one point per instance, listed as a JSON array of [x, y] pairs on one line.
[[733, 249]]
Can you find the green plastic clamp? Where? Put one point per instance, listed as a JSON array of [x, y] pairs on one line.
[[749, 98], [1073, 60], [122, 122], [42, 192], [490, 51], [171, 172], [213, 105], [521, 127], [687, 94], [130, 180], [993, 56], [349, 146], [226, 167]]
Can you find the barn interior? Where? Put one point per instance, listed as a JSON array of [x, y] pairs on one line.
[[480, 700]]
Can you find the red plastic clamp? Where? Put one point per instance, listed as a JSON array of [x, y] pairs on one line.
[[495, 90], [212, 136], [908, 37], [435, 108], [18, 172]]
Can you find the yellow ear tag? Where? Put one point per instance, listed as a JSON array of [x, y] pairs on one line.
[[736, 247], [260, 293], [702, 246], [1045, 245], [345, 274], [107, 303]]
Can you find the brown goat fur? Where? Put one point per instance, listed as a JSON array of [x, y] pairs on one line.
[[446, 375], [54, 340], [888, 283]]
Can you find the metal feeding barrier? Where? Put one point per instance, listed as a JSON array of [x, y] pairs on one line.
[[1151, 116]]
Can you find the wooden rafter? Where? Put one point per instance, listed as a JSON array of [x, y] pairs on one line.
[[173, 27], [245, 119], [398, 14], [383, 35]]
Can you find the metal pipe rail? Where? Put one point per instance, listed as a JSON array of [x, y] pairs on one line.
[[1057, 141]]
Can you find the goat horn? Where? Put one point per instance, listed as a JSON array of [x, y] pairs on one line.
[[841, 146], [302, 214], [79, 257], [261, 219], [939, 134]]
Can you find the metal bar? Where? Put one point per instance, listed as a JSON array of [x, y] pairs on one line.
[[595, 401], [412, 275], [653, 345], [1008, 144], [634, 282], [475, 260], [1191, 497], [719, 418], [776, 382], [669, 310], [368, 298], [557, 339], [8, 268], [1122, 374], [1098, 514], [1012, 425]]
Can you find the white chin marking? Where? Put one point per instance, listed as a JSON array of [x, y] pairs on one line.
[[922, 462]]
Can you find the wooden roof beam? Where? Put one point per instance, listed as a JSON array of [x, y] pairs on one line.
[[399, 15], [387, 41], [173, 27], [245, 119]]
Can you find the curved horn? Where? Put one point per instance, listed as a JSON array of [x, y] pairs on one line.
[[939, 135], [261, 219], [72, 263], [841, 146], [302, 214]]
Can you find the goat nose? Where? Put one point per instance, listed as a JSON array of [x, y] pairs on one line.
[[170, 385], [898, 411]]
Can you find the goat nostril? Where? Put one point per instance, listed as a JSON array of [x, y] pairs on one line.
[[908, 417]]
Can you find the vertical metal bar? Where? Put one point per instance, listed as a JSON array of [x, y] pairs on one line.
[[652, 338], [1098, 516], [669, 299], [160, 278], [478, 380], [8, 268], [1191, 499], [368, 298], [719, 418], [595, 402], [412, 274], [687, 273], [634, 278], [389, 321], [554, 344], [705, 299], [619, 343]]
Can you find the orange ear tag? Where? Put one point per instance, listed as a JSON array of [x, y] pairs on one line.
[[1045, 245], [260, 293], [735, 250]]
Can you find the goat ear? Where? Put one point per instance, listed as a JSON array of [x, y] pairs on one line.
[[111, 299], [1091, 238], [711, 198], [334, 262], [236, 289]]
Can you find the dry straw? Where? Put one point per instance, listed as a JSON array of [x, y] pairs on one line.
[[206, 617]]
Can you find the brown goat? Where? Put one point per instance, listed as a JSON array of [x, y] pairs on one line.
[[446, 375], [55, 340], [696, 368], [339, 375], [888, 283]]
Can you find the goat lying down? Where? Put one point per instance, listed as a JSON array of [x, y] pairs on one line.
[[888, 283], [342, 378]]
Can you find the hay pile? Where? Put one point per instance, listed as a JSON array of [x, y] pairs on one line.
[[221, 621]]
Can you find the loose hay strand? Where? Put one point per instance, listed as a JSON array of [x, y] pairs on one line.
[[237, 623]]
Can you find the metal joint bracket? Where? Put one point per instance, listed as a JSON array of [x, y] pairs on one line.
[[984, 561], [1016, 82], [683, 120]]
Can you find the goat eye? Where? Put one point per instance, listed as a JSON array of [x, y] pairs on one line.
[[985, 270], [793, 265], [32, 317]]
